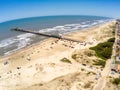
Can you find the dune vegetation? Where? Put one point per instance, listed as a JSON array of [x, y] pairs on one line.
[[104, 50]]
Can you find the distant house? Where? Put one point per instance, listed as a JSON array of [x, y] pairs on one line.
[[118, 67]]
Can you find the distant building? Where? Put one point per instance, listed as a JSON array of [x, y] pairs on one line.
[[118, 67]]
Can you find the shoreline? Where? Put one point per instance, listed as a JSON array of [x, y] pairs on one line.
[[64, 35]]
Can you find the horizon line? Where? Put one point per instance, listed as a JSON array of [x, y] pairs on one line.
[[55, 15]]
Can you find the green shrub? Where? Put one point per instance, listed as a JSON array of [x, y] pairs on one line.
[[82, 69], [100, 63], [88, 73], [74, 56], [65, 60], [91, 73], [111, 40], [113, 32], [116, 81], [87, 85], [104, 50], [89, 53]]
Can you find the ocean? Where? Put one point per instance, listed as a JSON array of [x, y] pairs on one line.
[[11, 41]]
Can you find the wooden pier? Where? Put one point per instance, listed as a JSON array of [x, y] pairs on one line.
[[46, 35]]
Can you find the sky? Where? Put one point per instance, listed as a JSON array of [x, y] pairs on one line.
[[15, 9]]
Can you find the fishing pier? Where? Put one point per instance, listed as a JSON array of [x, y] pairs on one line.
[[46, 35]]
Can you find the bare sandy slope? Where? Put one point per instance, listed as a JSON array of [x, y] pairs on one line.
[[39, 66]]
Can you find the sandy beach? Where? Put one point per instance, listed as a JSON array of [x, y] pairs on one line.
[[39, 66]]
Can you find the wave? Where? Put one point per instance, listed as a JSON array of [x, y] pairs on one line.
[[20, 38]]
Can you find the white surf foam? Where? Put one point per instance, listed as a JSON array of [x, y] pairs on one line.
[[19, 38], [6, 42]]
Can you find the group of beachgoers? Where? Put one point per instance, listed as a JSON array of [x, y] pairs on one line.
[[27, 55]]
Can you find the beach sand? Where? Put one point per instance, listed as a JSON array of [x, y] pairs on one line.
[[39, 66]]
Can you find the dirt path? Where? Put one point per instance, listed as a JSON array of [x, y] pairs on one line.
[[102, 81]]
